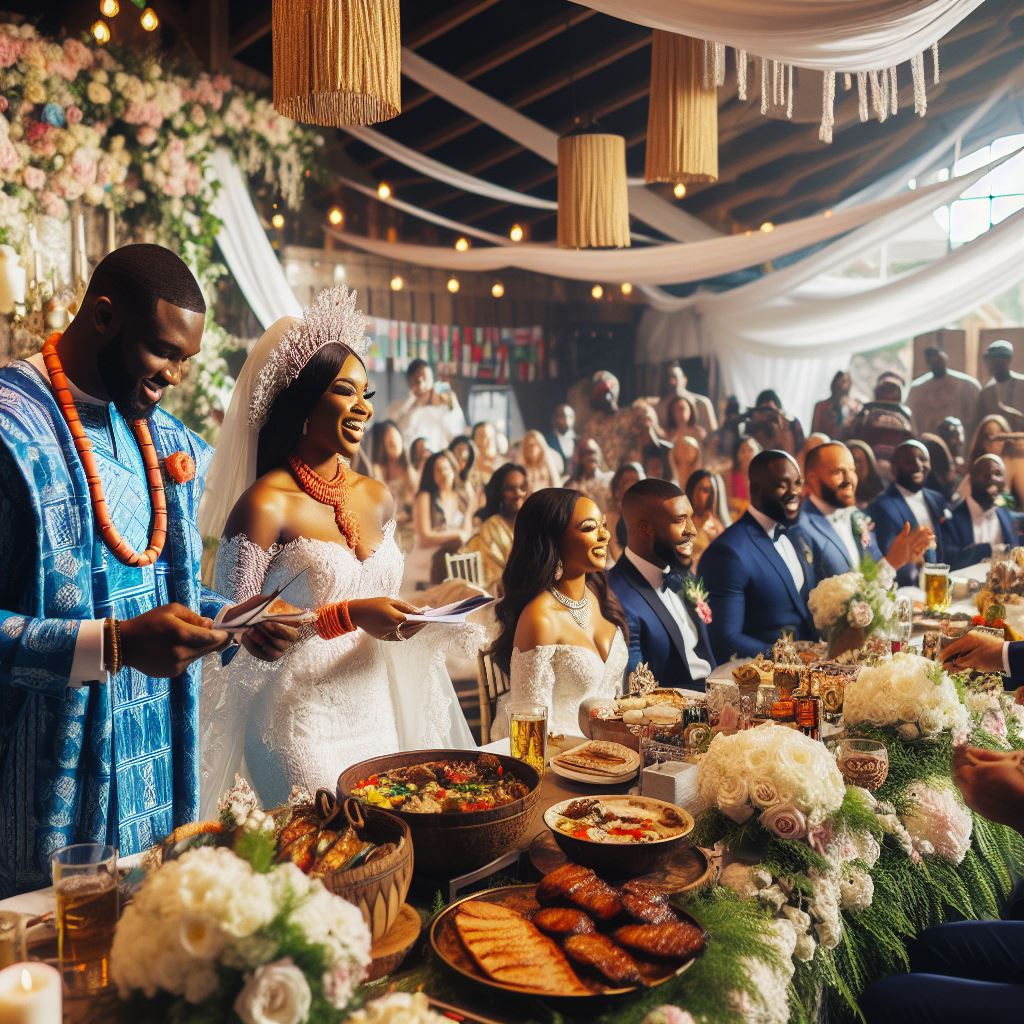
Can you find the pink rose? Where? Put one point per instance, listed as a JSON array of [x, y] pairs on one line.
[[73, 114], [786, 821], [35, 178], [10, 50], [53, 206], [146, 135], [37, 133], [703, 610], [820, 837]]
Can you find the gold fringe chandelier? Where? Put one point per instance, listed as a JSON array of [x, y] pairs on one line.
[[337, 62], [593, 202], [682, 119]]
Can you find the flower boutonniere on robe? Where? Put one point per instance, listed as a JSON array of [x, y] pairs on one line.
[[862, 527], [697, 598], [180, 467]]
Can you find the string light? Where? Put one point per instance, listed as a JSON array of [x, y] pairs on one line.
[[335, 216], [497, 289], [461, 244], [597, 291], [277, 221], [384, 190], [516, 233], [101, 32], [453, 284], [627, 288], [679, 191], [828, 213], [767, 227], [110, 8], [148, 20], [397, 284]]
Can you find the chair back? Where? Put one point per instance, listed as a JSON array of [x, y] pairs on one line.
[[491, 682], [466, 566]]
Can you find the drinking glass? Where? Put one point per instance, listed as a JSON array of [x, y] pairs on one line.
[[935, 577], [85, 882], [12, 938], [904, 619], [528, 733], [863, 762]]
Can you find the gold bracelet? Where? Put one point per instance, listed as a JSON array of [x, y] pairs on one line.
[[112, 650]]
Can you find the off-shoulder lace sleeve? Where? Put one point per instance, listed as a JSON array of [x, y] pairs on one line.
[[242, 567], [532, 675]]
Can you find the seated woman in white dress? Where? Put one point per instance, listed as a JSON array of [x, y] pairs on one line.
[[298, 416], [562, 631]]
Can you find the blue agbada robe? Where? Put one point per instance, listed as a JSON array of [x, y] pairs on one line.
[[114, 763]]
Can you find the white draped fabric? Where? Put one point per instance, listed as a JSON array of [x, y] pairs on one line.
[[826, 35], [245, 247]]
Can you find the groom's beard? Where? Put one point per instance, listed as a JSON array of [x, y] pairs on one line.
[[124, 390], [668, 555]]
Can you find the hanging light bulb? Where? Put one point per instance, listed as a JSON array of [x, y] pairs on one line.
[[110, 8], [516, 233], [384, 190], [626, 288], [277, 221], [101, 32], [597, 291], [335, 215], [397, 284], [767, 226], [148, 20], [453, 284], [679, 191], [461, 244], [497, 289]]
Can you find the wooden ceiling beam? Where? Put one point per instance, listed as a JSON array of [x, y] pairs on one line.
[[251, 32], [445, 22]]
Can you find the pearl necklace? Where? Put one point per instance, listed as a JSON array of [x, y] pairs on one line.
[[329, 492], [579, 610]]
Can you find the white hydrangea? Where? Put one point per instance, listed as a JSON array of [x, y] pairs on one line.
[[829, 600], [398, 1008], [771, 1003], [938, 822]]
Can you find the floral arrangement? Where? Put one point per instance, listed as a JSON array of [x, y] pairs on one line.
[[910, 694], [696, 596], [789, 780], [852, 601], [937, 821]]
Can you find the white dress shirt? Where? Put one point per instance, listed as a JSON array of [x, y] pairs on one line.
[[699, 668], [841, 520], [784, 546], [986, 524], [918, 506], [435, 423]]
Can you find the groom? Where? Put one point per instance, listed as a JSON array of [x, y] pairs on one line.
[[99, 670]]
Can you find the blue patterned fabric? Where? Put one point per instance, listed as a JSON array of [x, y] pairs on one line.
[[112, 763]]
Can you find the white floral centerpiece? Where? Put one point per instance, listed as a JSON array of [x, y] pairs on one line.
[[910, 694], [850, 607]]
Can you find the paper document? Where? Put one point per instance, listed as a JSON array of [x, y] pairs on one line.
[[263, 608], [452, 613]]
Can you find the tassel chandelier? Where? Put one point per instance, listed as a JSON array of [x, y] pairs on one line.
[[593, 201]]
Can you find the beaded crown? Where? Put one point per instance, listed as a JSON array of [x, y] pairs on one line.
[[332, 317]]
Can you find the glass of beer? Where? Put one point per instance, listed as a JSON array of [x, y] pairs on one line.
[[85, 882], [528, 733], [12, 938], [935, 577]]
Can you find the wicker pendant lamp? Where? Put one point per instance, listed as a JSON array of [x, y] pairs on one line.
[[682, 119], [593, 203], [337, 62]]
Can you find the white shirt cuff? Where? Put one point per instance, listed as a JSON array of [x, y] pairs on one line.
[[888, 572], [1006, 657], [87, 663]]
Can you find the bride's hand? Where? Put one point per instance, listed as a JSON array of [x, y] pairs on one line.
[[381, 617]]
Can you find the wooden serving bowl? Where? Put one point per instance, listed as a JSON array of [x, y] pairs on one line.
[[454, 842], [379, 888]]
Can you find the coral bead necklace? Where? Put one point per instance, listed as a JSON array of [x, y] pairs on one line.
[[328, 492], [118, 546]]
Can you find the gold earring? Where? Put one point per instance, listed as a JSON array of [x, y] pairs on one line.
[[559, 571]]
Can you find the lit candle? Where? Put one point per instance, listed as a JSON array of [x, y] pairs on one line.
[[30, 993]]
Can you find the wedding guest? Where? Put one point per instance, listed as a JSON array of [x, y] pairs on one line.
[[623, 478], [941, 392], [951, 430], [677, 386], [392, 468], [761, 569], [884, 422], [720, 445], [869, 481], [441, 518], [907, 500], [658, 457], [620, 433], [430, 410], [682, 421], [590, 478], [1003, 394], [562, 631], [987, 440], [943, 476], [738, 481], [666, 613], [488, 458], [832, 414], [705, 492], [813, 441], [464, 453], [840, 534], [979, 525], [504, 496], [562, 435], [768, 422], [419, 452], [543, 467]]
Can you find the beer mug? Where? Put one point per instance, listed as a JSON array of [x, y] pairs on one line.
[[937, 589], [528, 733]]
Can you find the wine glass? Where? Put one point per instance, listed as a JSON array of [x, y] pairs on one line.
[[904, 619]]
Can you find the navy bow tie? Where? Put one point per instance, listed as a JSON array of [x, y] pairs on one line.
[[673, 580], [780, 531]]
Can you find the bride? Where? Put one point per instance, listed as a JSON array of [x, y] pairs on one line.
[[298, 415], [562, 630]]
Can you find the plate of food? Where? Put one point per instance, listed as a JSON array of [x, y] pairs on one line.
[[597, 763], [570, 936]]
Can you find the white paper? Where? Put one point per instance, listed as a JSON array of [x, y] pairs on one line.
[[454, 613]]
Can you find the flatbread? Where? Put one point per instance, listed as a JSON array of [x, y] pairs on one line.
[[600, 757]]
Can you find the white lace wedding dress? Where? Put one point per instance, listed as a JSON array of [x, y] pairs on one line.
[[327, 703], [562, 676]]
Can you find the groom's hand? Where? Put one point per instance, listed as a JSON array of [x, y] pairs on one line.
[[165, 641], [271, 640]]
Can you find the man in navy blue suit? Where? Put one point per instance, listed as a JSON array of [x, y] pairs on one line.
[[978, 524], [907, 500], [760, 570], [664, 611], [840, 534]]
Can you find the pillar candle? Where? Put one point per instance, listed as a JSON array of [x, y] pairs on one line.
[[12, 280], [30, 993]]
